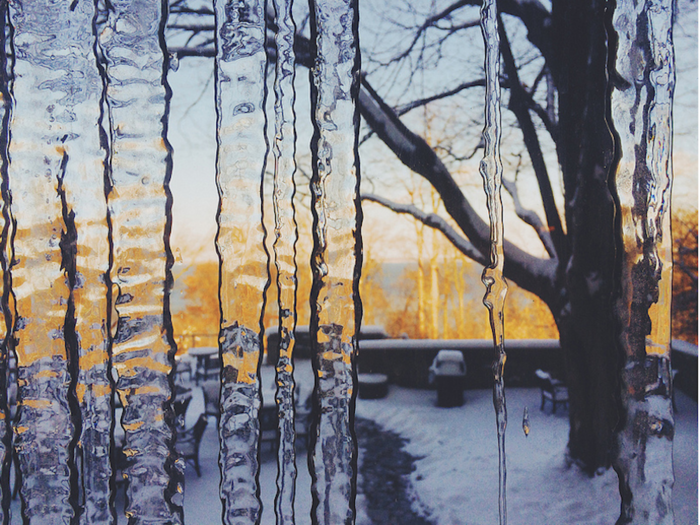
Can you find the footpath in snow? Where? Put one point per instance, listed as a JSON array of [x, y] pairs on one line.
[[455, 479]]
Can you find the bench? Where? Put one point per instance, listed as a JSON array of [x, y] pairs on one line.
[[551, 389]]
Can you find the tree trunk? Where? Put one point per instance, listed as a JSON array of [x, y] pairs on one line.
[[585, 315]]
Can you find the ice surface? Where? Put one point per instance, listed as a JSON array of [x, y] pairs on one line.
[[240, 93], [335, 262], [491, 170], [61, 247], [284, 247], [137, 97], [641, 111], [335, 303]]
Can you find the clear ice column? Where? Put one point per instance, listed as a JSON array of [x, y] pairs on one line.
[[241, 152], [284, 247], [5, 311], [336, 261], [86, 256], [139, 202], [491, 170], [56, 144], [642, 102]]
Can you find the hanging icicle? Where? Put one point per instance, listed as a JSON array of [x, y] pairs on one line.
[[240, 242], [61, 256], [7, 381], [496, 287], [139, 204], [336, 260], [642, 99], [284, 148]]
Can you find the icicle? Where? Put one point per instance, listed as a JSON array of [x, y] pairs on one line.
[[241, 153], [642, 99], [139, 204], [57, 154], [6, 385], [335, 302], [284, 148], [86, 259], [496, 288]]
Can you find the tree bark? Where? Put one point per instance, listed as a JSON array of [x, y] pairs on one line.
[[585, 317]]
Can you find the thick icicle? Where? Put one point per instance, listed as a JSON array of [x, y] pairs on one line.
[[86, 255], [335, 302], [496, 287], [57, 154], [642, 99], [240, 242], [139, 204], [284, 247]]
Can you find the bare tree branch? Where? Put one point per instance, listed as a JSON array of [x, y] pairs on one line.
[[691, 272], [452, 28], [429, 22], [530, 217], [536, 18], [461, 158], [519, 106], [189, 11], [547, 115], [529, 272], [434, 221], [194, 28], [405, 108], [199, 51]]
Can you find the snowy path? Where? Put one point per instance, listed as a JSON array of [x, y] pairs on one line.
[[456, 481]]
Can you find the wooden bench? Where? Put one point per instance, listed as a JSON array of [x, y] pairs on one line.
[[551, 389]]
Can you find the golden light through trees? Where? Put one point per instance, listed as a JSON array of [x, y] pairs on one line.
[[442, 287], [435, 292], [684, 320]]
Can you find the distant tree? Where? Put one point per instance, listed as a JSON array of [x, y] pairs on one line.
[[200, 314], [375, 302], [685, 275]]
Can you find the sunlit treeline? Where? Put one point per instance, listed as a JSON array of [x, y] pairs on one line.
[[436, 292], [438, 298]]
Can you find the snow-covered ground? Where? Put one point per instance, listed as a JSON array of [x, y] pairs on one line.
[[456, 475], [455, 480]]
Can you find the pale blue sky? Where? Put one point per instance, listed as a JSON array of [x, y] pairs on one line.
[[192, 134]]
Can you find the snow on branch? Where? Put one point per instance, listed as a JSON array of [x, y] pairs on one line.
[[530, 217], [534, 274], [432, 220]]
